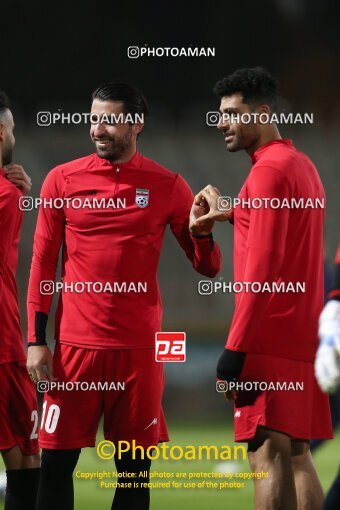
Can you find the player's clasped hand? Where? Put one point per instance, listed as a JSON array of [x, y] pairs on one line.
[[17, 175], [205, 212], [40, 363]]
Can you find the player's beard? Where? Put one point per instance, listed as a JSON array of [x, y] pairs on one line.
[[117, 148], [235, 144], [7, 154], [241, 139]]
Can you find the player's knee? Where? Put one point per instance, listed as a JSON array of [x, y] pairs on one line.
[[34, 461], [267, 459], [59, 462]]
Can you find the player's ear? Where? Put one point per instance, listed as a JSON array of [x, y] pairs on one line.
[[1, 131], [137, 128], [263, 108]]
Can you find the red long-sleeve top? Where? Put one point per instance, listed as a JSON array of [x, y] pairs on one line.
[[11, 339], [279, 245], [121, 244]]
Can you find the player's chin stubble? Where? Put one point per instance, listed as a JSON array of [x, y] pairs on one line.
[[234, 146], [116, 151], [117, 148], [7, 156]]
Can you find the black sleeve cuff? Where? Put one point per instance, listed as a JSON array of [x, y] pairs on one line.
[[202, 237], [208, 236], [230, 365], [40, 329]]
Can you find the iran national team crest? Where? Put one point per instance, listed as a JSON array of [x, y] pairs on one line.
[[142, 197]]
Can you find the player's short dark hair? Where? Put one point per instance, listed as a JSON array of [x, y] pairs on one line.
[[4, 102], [132, 98], [256, 85]]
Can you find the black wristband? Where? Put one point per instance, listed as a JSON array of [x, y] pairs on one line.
[[203, 236], [36, 344], [207, 236], [40, 324], [230, 365]]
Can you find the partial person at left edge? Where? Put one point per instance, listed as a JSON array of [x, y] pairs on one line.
[[18, 404]]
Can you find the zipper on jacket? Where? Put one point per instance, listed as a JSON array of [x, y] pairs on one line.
[[116, 190]]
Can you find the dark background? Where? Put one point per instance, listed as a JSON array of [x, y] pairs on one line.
[[53, 56], [59, 52]]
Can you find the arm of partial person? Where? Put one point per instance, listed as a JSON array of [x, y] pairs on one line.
[[7, 226]]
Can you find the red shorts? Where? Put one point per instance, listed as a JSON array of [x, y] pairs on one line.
[[300, 413], [19, 422], [125, 386]]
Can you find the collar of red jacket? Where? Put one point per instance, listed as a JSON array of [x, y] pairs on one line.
[[134, 162], [258, 153]]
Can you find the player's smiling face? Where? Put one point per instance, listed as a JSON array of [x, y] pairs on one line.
[[113, 140], [237, 134]]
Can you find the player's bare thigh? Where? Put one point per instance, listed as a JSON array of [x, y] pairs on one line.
[[267, 443], [15, 459]]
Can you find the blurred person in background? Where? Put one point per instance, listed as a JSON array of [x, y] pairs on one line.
[[327, 363]]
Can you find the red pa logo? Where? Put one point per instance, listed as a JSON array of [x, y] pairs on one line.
[[170, 346]]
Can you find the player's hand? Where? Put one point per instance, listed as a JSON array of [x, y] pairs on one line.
[[222, 386], [327, 363], [231, 395], [205, 212], [229, 368], [17, 175], [40, 363]]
